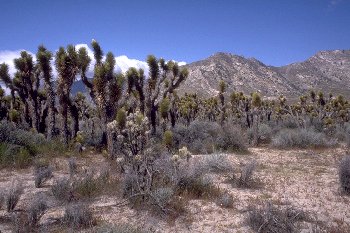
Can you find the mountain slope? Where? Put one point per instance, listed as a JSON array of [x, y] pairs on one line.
[[327, 70]]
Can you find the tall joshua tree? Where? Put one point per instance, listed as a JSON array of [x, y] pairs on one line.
[[16, 85], [105, 87], [26, 73], [44, 57], [163, 77], [67, 65]]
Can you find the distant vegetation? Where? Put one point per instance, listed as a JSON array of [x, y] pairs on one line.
[[150, 132]]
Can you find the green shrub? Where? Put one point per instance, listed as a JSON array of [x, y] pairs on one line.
[[168, 139]]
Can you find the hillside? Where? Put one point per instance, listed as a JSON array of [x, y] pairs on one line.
[[327, 70]]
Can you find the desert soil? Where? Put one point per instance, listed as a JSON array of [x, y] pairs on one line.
[[305, 179]]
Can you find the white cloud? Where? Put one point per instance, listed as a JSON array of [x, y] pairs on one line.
[[8, 57], [123, 63]]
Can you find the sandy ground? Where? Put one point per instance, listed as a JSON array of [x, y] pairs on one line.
[[304, 179]]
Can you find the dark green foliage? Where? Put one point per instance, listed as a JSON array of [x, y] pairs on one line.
[[168, 139], [121, 118]]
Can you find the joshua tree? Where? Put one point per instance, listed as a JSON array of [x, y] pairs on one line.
[[44, 58], [67, 65], [105, 87], [163, 77], [222, 90], [28, 76], [16, 85]]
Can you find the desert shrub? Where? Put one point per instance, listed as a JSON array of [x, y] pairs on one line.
[[344, 174], [27, 139], [225, 200], [12, 196], [288, 123], [14, 155], [301, 138], [78, 216], [246, 176], [92, 130], [271, 219], [18, 145], [168, 139], [62, 189], [264, 133], [36, 210], [199, 137], [42, 174], [342, 133], [315, 123], [120, 228], [162, 196], [72, 164], [193, 180], [231, 138], [217, 163], [86, 186]]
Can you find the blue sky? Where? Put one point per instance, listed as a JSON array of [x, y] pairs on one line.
[[277, 32]]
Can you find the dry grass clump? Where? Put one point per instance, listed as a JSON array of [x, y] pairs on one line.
[[62, 189], [13, 195], [245, 179], [42, 174], [269, 219], [78, 216], [36, 210]]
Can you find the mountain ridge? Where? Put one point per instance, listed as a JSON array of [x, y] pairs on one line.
[[327, 71]]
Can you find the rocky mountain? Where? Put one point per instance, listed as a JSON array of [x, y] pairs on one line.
[[328, 71]]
